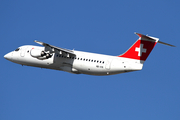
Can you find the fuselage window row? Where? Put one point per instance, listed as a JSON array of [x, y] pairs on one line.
[[81, 59]]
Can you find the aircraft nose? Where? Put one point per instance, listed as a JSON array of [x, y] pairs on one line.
[[8, 56]]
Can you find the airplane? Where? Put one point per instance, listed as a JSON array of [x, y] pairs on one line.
[[79, 62]]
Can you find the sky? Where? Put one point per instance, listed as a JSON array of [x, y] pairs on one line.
[[99, 26]]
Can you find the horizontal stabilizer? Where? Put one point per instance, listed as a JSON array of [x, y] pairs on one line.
[[147, 38], [166, 44], [153, 39]]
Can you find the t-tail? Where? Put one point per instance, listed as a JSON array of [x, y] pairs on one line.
[[141, 49]]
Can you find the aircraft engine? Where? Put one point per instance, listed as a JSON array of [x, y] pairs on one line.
[[48, 55], [37, 53], [40, 54]]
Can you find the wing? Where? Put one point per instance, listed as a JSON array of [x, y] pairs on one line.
[[54, 49]]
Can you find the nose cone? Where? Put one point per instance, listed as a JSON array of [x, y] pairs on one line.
[[8, 56]]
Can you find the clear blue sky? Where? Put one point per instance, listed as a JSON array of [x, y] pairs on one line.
[[100, 26]]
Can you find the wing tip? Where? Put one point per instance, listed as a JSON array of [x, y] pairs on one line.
[[39, 42]]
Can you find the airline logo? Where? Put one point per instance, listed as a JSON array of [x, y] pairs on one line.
[[140, 50]]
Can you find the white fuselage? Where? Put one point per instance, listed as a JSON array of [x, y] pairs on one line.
[[78, 62], [81, 63]]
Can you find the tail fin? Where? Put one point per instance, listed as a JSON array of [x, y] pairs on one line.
[[141, 49]]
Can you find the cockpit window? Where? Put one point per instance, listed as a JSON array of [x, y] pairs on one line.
[[17, 49]]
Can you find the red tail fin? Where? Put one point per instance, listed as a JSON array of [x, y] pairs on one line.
[[141, 49]]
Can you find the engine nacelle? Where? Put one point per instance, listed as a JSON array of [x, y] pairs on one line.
[[37, 53], [40, 54]]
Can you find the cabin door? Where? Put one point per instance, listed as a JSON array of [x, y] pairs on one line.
[[108, 64]]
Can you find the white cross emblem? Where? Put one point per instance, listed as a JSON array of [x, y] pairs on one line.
[[140, 50]]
